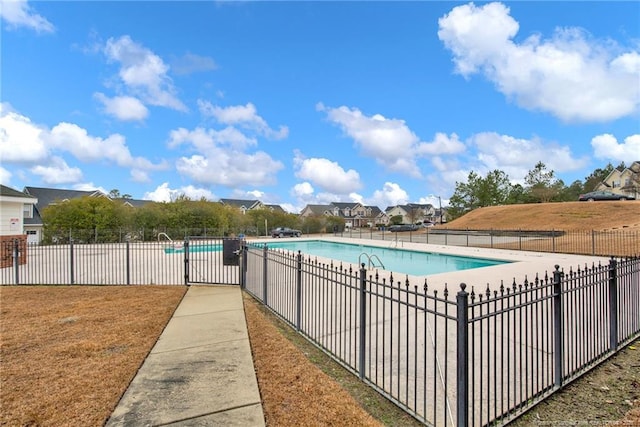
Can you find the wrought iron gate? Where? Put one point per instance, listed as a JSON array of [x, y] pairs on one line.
[[212, 260]]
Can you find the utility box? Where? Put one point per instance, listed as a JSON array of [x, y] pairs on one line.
[[231, 251]]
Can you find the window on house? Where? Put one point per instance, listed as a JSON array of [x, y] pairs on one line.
[[27, 211], [32, 232]]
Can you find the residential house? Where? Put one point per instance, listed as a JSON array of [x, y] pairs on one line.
[[354, 214], [15, 206], [247, 205], [625, 182], [413, 213], [133, 203], [243, 205], [275, 208], [316, 210]]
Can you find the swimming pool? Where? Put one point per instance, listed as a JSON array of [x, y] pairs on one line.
[[398, 260]]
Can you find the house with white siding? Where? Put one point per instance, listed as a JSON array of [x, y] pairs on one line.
[[15, 206]]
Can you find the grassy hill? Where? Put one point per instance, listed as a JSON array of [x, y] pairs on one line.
[[568, 216]]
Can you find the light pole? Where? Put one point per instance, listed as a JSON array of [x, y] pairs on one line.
[[440, 209]]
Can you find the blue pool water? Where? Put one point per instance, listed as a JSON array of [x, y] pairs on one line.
[[179, 249], [397, 260]]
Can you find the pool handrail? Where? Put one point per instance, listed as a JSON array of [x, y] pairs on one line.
[[165, 235], [371, 258], [174, 245]]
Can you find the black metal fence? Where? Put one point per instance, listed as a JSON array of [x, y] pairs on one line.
[[195, 260], [589, 242], [482, 358]]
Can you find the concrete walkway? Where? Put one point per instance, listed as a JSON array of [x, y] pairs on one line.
[[200, 372]]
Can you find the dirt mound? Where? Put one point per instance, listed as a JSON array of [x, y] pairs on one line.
[[568, 216]]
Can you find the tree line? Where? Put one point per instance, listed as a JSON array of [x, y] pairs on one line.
[[102, 219], [540, 186]]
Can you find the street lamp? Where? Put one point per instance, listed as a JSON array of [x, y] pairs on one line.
[[440, 208]]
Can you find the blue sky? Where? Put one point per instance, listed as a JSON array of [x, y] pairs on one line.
[[293, 103]]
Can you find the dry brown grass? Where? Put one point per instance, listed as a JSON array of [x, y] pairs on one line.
[[300, 394], [568, 216], [598, 228], [69, 352]]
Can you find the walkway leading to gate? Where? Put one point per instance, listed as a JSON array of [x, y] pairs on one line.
[[200, 371]]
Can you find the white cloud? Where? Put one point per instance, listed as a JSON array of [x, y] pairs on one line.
[[17, 13], [302, 190], [441, 144], [76, 140], [230, 169], [163, 193], [390, 195], [57, 172], [138, 175], [143, 72], [327, 175], [607, 147], [257, 194], [191, 63], [568, 75], [25, 143], [5, 176], [517, 156], [389, 141], [208, 139], [220, 163], [245, 116], [125, 108], [21, 141]]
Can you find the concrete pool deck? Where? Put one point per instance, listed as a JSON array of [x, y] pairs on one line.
[[521, 265]]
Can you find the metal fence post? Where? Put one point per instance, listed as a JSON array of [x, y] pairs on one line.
[[462, 370], [593, 242], [264, 275], [128, 263], [519, 239], [16, 260], [558, 330], [71, 266], [363, 321], [298, 289], [613, 305], [553, 240], [243, 266], [186, 263]]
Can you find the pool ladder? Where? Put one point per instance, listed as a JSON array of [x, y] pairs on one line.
[[371, 260], [174, 245]]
